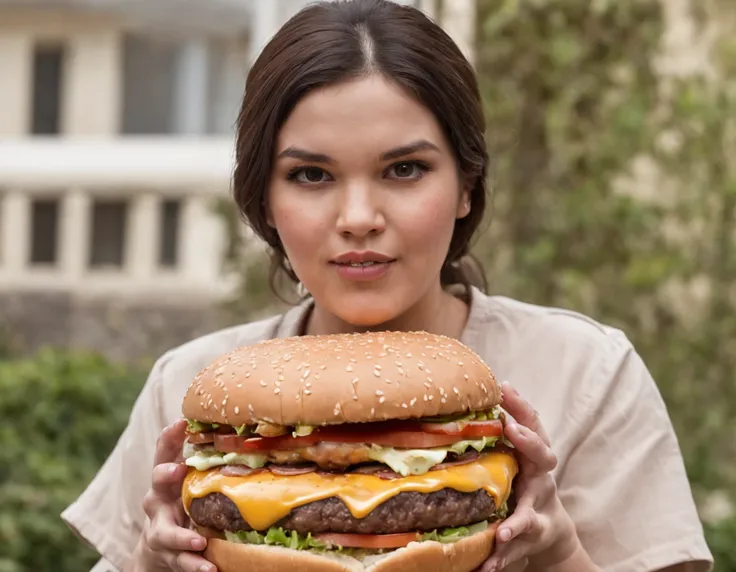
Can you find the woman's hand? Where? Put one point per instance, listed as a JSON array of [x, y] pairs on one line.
[[165, 543], [539, 529]]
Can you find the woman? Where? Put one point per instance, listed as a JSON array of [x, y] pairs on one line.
[[361, 162]]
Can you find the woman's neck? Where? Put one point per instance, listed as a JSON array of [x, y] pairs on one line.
[[438, 312]]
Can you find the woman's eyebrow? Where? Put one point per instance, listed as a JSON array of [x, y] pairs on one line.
[[420, 145], [395, 153], [304, 155]]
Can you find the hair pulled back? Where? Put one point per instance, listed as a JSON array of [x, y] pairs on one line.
[[331, 42]]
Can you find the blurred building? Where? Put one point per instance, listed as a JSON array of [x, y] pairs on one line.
[[116, 123]]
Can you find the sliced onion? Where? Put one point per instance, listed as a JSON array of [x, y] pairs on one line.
[[238, 470], [290, 470]]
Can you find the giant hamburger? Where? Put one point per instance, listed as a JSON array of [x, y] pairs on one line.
[[380, 452]]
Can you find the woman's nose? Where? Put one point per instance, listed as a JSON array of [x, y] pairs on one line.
[[361, 211]]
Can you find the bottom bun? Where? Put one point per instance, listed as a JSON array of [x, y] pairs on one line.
[[462, 556]]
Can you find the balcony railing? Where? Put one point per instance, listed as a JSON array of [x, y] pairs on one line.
[[119, 215]]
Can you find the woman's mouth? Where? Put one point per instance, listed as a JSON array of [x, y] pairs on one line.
[[362, 266]]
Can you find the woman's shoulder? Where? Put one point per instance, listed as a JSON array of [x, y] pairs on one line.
[[519, 325]]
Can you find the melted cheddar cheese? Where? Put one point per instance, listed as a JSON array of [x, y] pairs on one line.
[[264, 498]]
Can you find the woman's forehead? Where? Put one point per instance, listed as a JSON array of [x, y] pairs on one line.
[[369, 113]]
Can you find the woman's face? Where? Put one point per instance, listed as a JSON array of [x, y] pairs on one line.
[[364, 195]]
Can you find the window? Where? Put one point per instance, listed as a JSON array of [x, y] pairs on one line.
[[44, 231], [48, 64], [109, 220], [169, 222]]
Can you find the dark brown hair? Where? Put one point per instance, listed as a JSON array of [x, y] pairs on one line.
[[331, 42]]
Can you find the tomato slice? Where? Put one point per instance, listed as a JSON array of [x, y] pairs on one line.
[[368, 540], [493, 428], [396, 438], [200, 438]]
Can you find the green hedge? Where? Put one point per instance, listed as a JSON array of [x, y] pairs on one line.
[[61, 416]]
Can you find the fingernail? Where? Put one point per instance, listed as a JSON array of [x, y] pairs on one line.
[[205, 568], [199, 544], [504, 535], [173, 469]]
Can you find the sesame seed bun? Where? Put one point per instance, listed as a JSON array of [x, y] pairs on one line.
[[342, 378], [462, 556]]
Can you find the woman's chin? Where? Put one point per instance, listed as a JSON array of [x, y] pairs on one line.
[[368, 315]]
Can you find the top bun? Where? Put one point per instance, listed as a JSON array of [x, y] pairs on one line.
[[342, 378]]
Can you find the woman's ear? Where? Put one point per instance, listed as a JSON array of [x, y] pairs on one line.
[[463, 205]]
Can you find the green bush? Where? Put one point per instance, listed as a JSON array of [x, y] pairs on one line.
[[61, 416]]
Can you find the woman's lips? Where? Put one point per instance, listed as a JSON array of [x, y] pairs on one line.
[[363, 271]]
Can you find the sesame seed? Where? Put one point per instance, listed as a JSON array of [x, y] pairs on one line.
[[427, 385], [239, 385], [443, 400], [456, 390], [377, 366], [250, 408], [373, 411], [354, 380], [413, 401], [425, 397], [237, 410], [376, 373], [307, 392], [349, 368], [355, 397], [262, 383], [404, 405], [388, 380], [379, 392], [431, 397], [277, 391], [381, 399], [466, 376]]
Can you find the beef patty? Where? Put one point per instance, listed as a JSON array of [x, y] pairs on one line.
[[405, 512]]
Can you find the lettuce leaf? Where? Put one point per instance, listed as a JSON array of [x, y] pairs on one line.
[[447, 535], [276, 537]]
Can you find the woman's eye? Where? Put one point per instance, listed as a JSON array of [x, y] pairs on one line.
[[309, 175], [406, 170]]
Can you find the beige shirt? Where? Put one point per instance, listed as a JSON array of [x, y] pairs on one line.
[[620, 473]]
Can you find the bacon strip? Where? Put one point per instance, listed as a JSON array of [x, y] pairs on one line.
[[463, 459]]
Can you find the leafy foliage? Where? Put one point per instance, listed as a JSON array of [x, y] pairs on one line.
[[615, 196], [63, 414]]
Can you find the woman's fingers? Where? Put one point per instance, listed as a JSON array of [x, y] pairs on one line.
[[524, 520], [521, 411], [165, 534], [531, 446], [189, 562], [170, 442]]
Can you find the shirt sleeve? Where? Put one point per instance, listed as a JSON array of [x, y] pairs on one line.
[[624, 484], [109, 515]]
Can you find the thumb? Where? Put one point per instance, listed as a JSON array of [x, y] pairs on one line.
[[170, 443]]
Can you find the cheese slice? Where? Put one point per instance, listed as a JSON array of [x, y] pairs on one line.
[[264, 498]]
